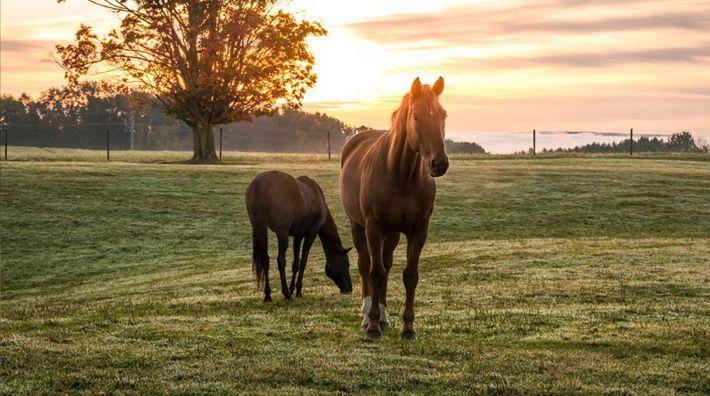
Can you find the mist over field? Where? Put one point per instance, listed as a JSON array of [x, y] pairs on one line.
[[514, 142]]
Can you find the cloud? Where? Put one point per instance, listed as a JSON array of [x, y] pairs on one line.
[[682, 20], [692, 55], [550, 34], [12, 46], [24, 56], [699, 54], [703, 90], [482, 23]]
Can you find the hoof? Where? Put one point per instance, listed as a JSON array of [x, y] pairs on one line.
[[287, 296], [267, 299], [408, 335], [299, 295], [373, 334], [384, 325]]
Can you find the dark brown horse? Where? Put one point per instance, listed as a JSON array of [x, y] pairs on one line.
[[297, 208], [387, 187]]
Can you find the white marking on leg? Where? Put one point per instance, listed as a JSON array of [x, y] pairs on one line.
[[366, 305], [383, 315]]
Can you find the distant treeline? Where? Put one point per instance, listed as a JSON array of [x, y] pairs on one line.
[[678, 142], [79, 118], [288, 130], [463, 148]]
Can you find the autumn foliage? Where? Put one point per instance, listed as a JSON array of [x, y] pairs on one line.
[[207, 62]]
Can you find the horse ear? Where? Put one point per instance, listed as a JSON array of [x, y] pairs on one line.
[[416, 88], [439, 86], [347, 250]]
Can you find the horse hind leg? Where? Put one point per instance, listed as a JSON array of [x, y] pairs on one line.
[[267, 288], [391, 241], [415, 243], [281, 260], [260, 257]]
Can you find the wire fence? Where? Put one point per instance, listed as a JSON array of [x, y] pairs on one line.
[[255, 138], [118, 137]]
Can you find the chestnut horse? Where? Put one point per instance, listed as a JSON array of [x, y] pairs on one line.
[[387, 187], [293, 207]]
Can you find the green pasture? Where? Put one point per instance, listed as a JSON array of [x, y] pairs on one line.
[[561, 274]]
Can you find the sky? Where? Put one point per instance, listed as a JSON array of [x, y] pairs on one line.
[[509, 66]]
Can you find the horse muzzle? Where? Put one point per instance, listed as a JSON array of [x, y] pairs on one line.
[[347, 286], [438, 167]]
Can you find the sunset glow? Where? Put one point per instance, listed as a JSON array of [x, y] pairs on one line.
[[509, 66]]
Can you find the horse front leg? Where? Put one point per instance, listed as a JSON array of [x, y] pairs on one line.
[[307, 243], [296, 262], [415, 242], [281, 260], [378, 274]]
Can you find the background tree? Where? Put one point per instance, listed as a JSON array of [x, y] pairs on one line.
[[207, 62], [682, 141], [453, 147], [703, 144], [677, 142]]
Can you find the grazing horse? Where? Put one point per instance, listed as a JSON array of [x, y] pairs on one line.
[[387, 187], [293, 207]]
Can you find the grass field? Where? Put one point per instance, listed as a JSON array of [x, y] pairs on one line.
[[554, 274]]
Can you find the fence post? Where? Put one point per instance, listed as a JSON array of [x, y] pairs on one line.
[[631, 143], [108, 146], [534, 143], [328, 143], [220, 144], [5, 129]]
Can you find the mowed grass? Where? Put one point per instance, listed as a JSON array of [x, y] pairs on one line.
[[541, 275]]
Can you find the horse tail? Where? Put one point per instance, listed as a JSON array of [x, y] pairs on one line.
[[260, 253]]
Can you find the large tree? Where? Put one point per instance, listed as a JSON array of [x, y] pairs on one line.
[[207, 62]]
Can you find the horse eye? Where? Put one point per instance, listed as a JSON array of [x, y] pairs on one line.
[[415, 117]]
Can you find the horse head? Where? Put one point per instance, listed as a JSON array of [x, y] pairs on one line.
[[337, 268], [425, 121]]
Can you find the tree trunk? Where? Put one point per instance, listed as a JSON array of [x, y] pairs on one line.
[[203, 138]]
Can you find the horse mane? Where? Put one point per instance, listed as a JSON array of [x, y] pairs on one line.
[[328, 232], [399, 116]]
